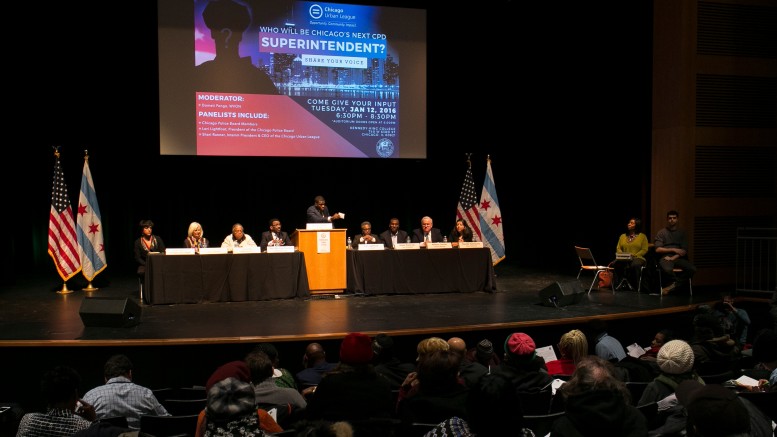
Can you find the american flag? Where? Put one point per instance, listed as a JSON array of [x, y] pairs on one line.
[[63, 245], [467, 208]]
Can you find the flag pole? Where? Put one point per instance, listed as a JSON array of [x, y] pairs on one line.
[[89, 288], [64, 289]]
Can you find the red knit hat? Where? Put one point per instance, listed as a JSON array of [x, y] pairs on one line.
[[356, 349], [233, 369], [519, 344]]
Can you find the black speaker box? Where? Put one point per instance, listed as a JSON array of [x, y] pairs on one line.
[[109, 311], [560, 294]]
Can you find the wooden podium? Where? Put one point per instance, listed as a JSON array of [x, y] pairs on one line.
[[325, 264]]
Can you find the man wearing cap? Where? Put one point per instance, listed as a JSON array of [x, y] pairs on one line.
[[714, 410], [387, 364], [524, 368]]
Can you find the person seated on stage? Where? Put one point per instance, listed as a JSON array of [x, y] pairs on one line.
[[393, 234], [634, 242], [572, 347], [120, 397], [63, 414], [282, 377], [148, 242], [269, 395], [274, 237], [315, 366], [387, 363], [427, 233], [318, 212], [238, 238], [353, 391], [365, 237], [469, 371], [596, 402], [195, 237], [461, 232], [231, 405], [672, 246]]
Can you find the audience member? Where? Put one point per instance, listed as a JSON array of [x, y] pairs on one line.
[[426, 346], [393, 234], [675, 361], [147, 243], [387, 363], [661, 338], [195, 237], [238, 238], [522, 366], [493, 407], [596, 403], [713, 410], [440, 393], [319, 212], [274, 237], [633, 242], [365, 237], [672, 246], [289, 402], [322, 428], [460, 232], [765, 356], [735, 321], [315, 366], [281, 376], [231, 405], [120, 397], [484, 354], [65, 413], [714, 352], [572, 347], [354, 392], [426, 233], [605, 346], [469, 371]]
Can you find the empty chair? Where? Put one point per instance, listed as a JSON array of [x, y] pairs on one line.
[[167, 426], [589, 264]]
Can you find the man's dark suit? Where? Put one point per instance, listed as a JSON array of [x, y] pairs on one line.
[[418, 235], [385, 236], [316, 216], [267, 238]]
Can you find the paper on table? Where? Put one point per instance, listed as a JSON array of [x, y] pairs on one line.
[[746, 381]]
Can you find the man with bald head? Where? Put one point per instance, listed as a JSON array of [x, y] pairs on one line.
[[469, 371], [315, 364]]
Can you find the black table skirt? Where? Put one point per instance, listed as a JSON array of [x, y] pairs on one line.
[[420, 271], [172, 279]]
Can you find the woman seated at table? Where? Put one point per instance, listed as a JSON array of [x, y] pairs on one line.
[[461, 232], [195, 238]]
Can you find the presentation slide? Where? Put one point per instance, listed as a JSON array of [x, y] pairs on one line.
[[291, 79]]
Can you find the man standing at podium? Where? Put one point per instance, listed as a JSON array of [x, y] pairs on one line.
[[319, 212]]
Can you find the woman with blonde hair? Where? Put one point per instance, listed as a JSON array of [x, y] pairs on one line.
[[572, 347], [195, 237]]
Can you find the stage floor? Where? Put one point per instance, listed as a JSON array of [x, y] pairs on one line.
[[33, 313]]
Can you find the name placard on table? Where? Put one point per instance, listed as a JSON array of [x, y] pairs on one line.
[[471, 245], [213, 250], [406, 246], [439, 246], [180, 251], [318, 226], [280, 249], [373, 246], [250, 249]]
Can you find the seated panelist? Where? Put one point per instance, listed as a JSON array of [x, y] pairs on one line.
[[365, 237], [274, 237], [238, 238]]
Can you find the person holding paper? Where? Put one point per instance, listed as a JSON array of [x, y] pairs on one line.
[[572, 347], [393, 235], [461, 232], [365, 237], [238, 238], [318, 212], [427, 232], [274, 237], [195, 237]]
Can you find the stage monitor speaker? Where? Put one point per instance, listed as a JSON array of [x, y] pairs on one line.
[[560, 294], [109, 312]]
